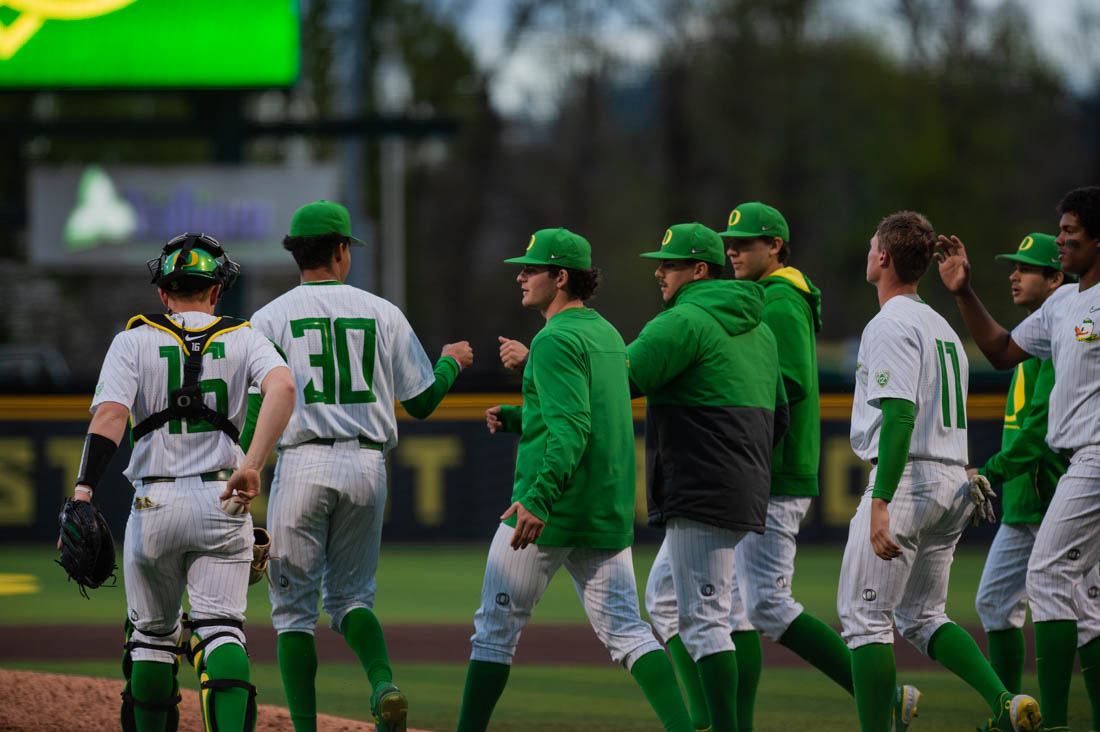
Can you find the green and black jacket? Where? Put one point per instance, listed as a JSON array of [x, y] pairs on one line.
[[1025, 466], [715, 405], [792, 309]]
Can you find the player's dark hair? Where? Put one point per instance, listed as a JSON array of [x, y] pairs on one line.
[[1085, 204], [190, 289], [910, 240], [784, 253], [313, 252], [581, 284]]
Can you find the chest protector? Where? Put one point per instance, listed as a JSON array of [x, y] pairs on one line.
[[186, 402]]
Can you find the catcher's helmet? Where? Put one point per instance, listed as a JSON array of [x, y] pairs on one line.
[[193, 257]]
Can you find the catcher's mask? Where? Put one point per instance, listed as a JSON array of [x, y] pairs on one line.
[[191, 257]]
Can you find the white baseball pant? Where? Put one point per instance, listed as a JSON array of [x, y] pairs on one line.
[[929, 510], [1067, 547], [325, 518], [178, 537], [515, 580]]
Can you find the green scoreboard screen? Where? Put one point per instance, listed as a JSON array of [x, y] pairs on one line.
[[148, 43]]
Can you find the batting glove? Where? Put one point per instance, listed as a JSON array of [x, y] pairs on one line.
[[982, 495]]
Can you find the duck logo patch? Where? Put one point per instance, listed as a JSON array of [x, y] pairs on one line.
[[1086, 331]]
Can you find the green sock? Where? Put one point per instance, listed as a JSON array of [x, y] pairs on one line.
[[718, 672], [150, 681], [485, 683], [298, 667], [750, 664], [874, 675], [1007, 651], [689, 679], [821, 647], [228, 661], [956, 651], [654, 674], [1090, 670], [1055, 648], [363, 634]]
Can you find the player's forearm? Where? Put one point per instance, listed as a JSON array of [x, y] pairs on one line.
[[423, 404], [893, 446], [275, 411], [107, 427], [1030, 444], [993, 340]]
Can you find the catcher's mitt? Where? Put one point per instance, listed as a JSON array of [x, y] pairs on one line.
[[261, 552], [87, 547]]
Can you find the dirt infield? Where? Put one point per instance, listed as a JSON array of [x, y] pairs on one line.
[[41, 702], [540, 644]]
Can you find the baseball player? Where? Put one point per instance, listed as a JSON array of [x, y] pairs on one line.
[[352, 354], [1067, 545], [573, 493], [715, 408], [1025, 468], [184, 378], [909, 422]]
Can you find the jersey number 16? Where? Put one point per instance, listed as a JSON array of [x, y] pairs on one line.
[[336, 332]]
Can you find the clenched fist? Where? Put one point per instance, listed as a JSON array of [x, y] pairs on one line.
[[460, 352]]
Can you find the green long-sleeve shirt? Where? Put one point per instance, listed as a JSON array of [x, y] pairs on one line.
[[1025, 466], [575, 461]]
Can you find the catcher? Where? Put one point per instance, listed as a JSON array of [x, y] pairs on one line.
[[183, 378]]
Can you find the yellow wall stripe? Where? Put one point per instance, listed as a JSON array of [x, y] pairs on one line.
[[67, 408]]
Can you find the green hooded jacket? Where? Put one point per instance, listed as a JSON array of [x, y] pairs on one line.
[[792, 309], [575, 461], [715, 405]]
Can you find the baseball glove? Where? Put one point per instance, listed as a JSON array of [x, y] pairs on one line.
[[982, 495], [87, 547], [261, 552]]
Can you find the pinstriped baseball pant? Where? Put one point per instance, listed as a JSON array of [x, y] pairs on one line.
[[1067, 547], [929, 510], [515, 580]]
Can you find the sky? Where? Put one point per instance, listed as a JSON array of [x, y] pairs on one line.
[[523, 86]]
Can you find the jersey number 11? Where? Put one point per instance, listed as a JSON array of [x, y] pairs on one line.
[[951, 350]]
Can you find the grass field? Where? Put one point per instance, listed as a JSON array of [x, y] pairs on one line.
[[440, 584]]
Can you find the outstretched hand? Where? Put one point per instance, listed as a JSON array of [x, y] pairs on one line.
[[953, 264], [528, 525]]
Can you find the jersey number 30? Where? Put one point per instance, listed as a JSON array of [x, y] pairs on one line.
[[950, 350], [336, 332]]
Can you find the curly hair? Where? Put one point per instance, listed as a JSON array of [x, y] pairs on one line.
[[581, 284], [1085, 204], [312, 252], [910, 240]]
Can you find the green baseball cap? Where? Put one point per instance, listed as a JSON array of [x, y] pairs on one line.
[[558, 247], [1037, 249], [690, 241], [756, 219], [322, 217]]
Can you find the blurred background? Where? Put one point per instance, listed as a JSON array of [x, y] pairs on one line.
[[452, 129]]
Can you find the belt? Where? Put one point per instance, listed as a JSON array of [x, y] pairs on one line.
[[363, 442], [217, 475]]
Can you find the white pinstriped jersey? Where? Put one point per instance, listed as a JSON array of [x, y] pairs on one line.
[[1067, 329], [143, 364], [908, 351], [352, 353]]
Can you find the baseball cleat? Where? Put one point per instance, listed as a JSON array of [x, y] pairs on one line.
[[390, 709], [1019, 713], [906, 697]]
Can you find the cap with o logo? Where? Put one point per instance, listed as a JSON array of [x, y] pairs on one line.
[[558, 247], [756, 219], [690, 241], [1039, 250]]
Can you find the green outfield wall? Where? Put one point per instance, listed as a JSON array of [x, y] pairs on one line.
[[449, 478]]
